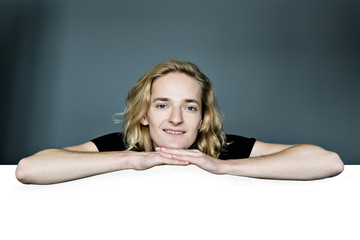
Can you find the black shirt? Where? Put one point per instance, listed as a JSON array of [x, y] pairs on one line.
[[239, 147]]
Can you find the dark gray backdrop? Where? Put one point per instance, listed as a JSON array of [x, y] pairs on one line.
[[283, 71]]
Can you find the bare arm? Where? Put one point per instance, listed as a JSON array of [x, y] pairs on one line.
[[272, 161], [60, 165], [295, 162]]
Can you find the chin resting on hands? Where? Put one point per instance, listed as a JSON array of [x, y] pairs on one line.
[[193, 156], [146, 160]]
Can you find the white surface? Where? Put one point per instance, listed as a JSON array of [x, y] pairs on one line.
[[170, 202]]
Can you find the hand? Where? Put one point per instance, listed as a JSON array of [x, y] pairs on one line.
[[194, 156], [146, 160]]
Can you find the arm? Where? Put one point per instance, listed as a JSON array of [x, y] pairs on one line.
[[273, 161], [59, 165], [277, 161]]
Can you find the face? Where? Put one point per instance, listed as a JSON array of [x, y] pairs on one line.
[[174, 116]]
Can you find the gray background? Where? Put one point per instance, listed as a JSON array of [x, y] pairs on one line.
[[283, 71]]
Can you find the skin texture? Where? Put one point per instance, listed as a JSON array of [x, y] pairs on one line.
[[174, 118], [295, 162]]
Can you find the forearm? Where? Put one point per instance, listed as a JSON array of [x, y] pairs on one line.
[[300, 162], [59, 165]]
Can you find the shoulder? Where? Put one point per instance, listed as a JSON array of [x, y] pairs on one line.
[[110, 142], [237, 147], [244, 147], [264, 149], [238, 139]]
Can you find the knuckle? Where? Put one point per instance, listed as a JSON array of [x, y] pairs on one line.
[[199, 154]]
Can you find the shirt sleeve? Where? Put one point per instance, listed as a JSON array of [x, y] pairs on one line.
[[110, 142], [238, 147]]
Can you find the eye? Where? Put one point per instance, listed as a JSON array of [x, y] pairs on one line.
[[191, 108], [162, 106]]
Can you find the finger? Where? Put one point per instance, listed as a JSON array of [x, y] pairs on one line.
[[178, 151], [192, 156], [167, 161], [166, 158], [204, 163], [187, 158], [167, 155]]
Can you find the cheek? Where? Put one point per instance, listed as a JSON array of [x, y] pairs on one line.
[[195, 122], [155, 120]]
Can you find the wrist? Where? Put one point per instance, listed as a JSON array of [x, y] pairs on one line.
[[133, 160], [231, 167], [223, 167], [124, 160]]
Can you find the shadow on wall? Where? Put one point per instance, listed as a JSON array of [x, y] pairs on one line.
[[22, 30]]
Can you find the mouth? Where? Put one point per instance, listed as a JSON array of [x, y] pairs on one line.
[[174, 132]]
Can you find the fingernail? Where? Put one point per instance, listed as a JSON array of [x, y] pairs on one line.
[[187, 162], [163, 148], [173, 156], [157, 148]]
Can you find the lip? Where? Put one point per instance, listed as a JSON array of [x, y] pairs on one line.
[[177, 132]]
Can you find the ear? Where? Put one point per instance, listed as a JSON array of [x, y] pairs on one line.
[[200, 124], [144, 121]]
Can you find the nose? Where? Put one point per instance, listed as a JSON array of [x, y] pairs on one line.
[[176, 116]]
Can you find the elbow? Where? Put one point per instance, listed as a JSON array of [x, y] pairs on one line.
[[336, 165], [22, 172]]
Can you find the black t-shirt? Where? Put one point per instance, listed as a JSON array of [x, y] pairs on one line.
[[239, 147]]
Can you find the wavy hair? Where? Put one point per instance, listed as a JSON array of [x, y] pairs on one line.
[[211, 137]]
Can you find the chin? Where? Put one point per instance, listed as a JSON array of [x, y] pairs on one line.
[[176, 146]]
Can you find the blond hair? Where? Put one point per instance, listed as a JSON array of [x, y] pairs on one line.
[[210, 139]]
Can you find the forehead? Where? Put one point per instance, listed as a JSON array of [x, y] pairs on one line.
[[176, 85]]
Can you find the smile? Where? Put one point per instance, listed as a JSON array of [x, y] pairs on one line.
[[174, 132]]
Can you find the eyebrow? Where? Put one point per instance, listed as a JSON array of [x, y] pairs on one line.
[[187, 100]]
